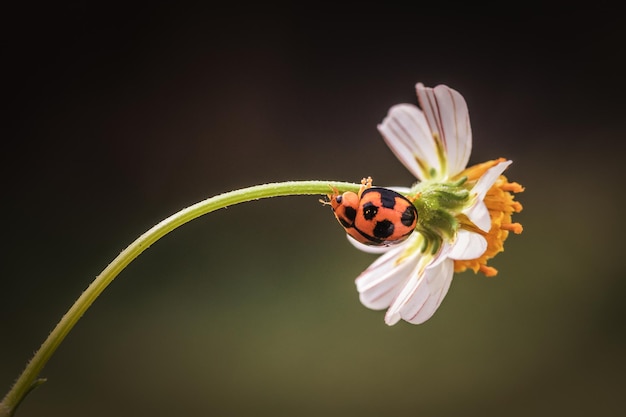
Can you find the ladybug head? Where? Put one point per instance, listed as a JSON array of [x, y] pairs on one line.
[[345, 207]]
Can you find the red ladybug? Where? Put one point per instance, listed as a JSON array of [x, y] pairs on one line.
[[375, 216]]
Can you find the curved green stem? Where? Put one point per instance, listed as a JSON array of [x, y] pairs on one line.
[[28, 380]]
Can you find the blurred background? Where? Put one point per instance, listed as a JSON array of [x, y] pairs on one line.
[[118, 118]]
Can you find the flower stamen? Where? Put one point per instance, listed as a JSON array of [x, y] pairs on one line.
[[501, 205], [512, 227], [489, 271]]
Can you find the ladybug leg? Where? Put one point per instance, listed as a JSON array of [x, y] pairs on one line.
[[330, 196], [412, 198], [365, 184]]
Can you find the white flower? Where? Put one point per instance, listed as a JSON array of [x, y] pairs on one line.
[[455, 229]]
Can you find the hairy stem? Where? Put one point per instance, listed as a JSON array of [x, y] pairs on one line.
[[29, 379]]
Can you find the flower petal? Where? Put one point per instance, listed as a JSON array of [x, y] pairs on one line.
[[477, 212], [487, 180], [444, 279], [382, 281], [468, 245], [408, 136], [422, 295], [479, 215], [447, 116], [368, 248]]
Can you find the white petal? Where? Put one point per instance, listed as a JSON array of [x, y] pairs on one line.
[[381, 283], [408, 136], [444, 279], [490, 176], [422, 294], [368, 248], [468, 245], [478, 213], [447, 115]]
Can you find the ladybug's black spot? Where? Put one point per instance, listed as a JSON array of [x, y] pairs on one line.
[[345, 223], [350, 213], [408, 217], [383, 229], [388, 199], [369, 211]]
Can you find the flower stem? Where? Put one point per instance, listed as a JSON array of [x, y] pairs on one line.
[[29, 380]]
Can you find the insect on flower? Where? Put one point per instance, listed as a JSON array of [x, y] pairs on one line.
[[375, 216], [462, 218]]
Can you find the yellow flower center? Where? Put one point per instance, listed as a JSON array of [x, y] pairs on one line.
[[501, 205]]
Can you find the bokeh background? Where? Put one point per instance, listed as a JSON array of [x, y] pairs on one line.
[[118, 118]]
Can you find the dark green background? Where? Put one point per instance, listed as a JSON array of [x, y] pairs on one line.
[[118, 118]]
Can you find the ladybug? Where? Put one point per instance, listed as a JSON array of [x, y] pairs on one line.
[[375, 216]]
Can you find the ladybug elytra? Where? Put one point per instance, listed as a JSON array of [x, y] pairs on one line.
[[375, 216]]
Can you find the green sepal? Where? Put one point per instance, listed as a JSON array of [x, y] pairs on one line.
[[437, 206]]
